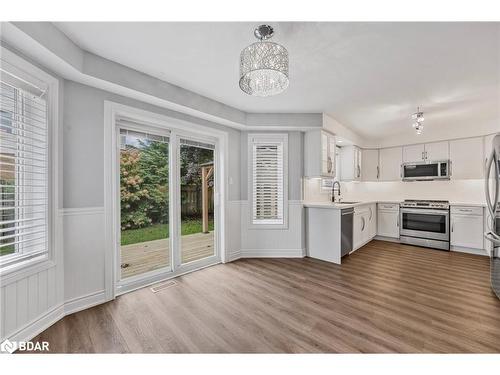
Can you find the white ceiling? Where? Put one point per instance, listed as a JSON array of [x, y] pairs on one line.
[[369, 76]]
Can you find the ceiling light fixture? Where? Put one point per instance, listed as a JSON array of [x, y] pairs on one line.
[[264, 65], [418, 118]]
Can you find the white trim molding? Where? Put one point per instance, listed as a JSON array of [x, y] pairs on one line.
[[273, 253], [84, 302], [44, 321], [81, 211]]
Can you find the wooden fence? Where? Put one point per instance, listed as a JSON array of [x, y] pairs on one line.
[[191, 200]]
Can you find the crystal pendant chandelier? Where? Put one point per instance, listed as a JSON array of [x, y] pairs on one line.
[[264, 65], [418, 118]]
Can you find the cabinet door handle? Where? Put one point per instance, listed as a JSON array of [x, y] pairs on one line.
[[399, 218], [362, 224], [378, 172], [359, 171], [329, 165], [371, 214], [452, 225], [423, 157]]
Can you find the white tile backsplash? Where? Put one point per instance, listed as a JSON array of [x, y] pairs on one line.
[[467, 191]]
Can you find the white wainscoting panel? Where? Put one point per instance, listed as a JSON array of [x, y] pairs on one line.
[[84, 250], [276, 243], [27, 300], [233, 228]]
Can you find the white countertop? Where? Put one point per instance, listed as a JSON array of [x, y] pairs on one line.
[[338, 206], [471, 204]]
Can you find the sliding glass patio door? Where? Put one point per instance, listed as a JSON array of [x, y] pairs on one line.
[[166, 198], [197, 186], [144, 203]]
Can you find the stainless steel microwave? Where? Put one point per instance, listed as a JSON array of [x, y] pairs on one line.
[[423, 171]]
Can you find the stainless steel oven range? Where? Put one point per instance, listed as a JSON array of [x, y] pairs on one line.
[[425, 223]]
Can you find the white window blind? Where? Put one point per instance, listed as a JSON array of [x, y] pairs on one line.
[[23, 171], [268, 182]]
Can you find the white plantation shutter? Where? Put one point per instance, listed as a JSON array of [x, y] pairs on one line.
[[23, 171], [268, 182]]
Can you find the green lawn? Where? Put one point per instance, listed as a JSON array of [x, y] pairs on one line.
[[159, 231], [7, 250]]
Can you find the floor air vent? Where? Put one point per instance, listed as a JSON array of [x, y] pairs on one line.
[[159, 287]]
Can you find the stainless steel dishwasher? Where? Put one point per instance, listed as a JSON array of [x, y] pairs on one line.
[[346, 226]]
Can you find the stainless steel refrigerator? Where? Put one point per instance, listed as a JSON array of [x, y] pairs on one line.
[[492, 191]]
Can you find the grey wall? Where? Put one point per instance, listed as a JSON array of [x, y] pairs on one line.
[[83, 128], [295, 164]]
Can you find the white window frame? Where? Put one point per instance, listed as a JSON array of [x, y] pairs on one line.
[[37, 77], [271, 139]]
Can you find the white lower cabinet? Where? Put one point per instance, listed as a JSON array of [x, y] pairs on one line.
[[388, 220], [467, 227], [364, 225], [357, 230]]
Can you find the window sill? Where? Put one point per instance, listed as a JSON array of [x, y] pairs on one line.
[[23, 270]]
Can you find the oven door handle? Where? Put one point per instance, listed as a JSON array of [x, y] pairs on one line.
[[424, 211]]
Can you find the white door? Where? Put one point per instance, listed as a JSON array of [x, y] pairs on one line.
[[466, 157], [372, 221], [467, 231], [437, 151], [325, 166], [390, 164], [358, 163], [413, 153], [357, 232], [332, 154], [370, 169], [388, 223]]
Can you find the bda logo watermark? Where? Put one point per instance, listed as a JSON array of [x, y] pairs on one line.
[[11, 346]]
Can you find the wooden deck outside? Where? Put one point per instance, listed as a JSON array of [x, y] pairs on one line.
[[152, 255]]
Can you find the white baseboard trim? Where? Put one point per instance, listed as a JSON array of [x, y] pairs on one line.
[[469, 250], [233, 255], [388, 239], [84, 302], [39, 324], [458, 249], [273, 253], [44, 321]]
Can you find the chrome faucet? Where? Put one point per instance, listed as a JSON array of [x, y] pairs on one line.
[[336, 182]]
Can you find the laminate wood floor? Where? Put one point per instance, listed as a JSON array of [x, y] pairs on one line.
[[385, 297]]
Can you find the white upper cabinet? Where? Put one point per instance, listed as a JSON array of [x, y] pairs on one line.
[[390, 160], [437, 151], [434, 151], [466, 157], [350, 163], [319, 154], [332, 151], [370, 170], [413, 153]]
